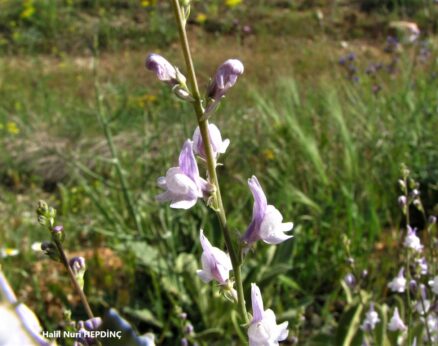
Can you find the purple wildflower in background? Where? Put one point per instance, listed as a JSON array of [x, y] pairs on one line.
[[396, 323], [371, 319], [216, 264], [412, 241], [217, 145], [163, 69], [350, 280], [391, 44], [266, 223], [398, 284], [264, 329], [183, 184], [225, 78]]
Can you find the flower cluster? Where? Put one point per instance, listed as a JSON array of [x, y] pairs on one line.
[[183, 186]]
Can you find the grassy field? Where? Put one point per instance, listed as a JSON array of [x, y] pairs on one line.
[[325, 139]]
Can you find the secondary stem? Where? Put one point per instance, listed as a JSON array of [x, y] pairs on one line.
[[210, 159], [75, 283]]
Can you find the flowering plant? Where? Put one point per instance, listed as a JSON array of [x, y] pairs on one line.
[[184, 187]]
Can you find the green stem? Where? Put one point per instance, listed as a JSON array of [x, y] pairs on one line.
[[210, 159], [75, 283]]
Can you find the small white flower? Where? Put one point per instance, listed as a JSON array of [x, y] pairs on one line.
[[396, 323], [8, 252], [398, 284], [412, 241], [434, 284], [36, 246], [371, 319]]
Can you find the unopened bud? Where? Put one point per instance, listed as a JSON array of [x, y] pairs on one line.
[[42, 207], [402, 200], [432, 220], [77, 265]]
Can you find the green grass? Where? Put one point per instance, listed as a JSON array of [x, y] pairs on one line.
[[327, 152]]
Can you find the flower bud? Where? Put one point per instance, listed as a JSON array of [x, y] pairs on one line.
[[189, 329], [42, 207], [350, 280], [77, 265], [432, 220], [164, 70], [51, 250], [402, 201], [226, 77]]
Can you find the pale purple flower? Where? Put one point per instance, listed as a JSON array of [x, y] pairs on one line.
[[264, 330], [225, 78], [93, 323], [350, 280], [217, 145], [422, 265], [371, 319], [396, 323], [398, 284], [77, 265], [183, 184], [216, 264], [163, 69], [266, 223], [412, 241], [434, 284]]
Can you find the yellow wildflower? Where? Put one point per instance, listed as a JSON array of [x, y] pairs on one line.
[[145, 3], [12, 128], [232, 3], [268, 154], [201, 18], [28, 9]]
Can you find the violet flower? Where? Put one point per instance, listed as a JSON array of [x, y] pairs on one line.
[[264, 330], [183, 184], [371, 319], [266, 223], [396, 323], [216, 264], [164, 70], [217, 145], [225, 78], [398, 284], [412, 241]]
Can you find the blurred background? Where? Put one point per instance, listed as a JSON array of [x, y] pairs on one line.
[[336, 95]]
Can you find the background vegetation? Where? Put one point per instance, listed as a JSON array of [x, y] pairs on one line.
[[326, 138]]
